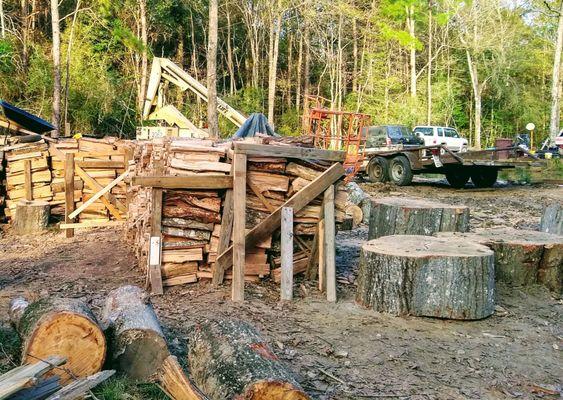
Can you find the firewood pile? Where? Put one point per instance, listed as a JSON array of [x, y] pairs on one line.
[[191, 219], [36, 171]]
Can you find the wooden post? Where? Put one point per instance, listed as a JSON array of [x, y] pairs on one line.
[[155, 275], [287, 253], [239, 225], [322, 270], [330, 254], [225, 234], [28, 180], [69, 191]]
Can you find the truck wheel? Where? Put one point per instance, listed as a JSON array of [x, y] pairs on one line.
[[484, 177], [377, 169], [400, 172], [457, 179]]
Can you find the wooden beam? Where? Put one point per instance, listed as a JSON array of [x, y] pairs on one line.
[[239, 225], [69, 192], [251, 149], [297, 202], [313, 259], [28, 180], [99, 194], [287, 254], [108, 199], [90, 224], [322, 269], [330, 253], [101, 164], [185, 182], [225, 234]]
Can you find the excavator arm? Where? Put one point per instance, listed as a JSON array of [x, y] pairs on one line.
[[163, 70]]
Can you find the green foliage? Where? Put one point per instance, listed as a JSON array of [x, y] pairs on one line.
[[289, 123], [119, 388], [9, 348]]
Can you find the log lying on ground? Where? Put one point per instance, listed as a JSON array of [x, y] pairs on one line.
[[61, 327], [522, 257], [229, 359], [31, 217], [137, 343], [427, 276], [405, 216], [552, 219]]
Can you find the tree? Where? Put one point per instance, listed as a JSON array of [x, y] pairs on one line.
[[556, 79], [56, 51], [212, 118], [144, 55]]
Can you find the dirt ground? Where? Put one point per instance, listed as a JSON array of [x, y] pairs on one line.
[[337, 351]]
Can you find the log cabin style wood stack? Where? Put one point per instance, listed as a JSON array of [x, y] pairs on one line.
[[191, 220], [28, 176]]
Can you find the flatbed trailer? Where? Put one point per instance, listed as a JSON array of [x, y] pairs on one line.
[[399, 165]]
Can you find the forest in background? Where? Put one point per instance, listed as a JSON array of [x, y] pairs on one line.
[[484, 67]]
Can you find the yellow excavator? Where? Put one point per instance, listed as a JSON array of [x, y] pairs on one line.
[[165, 71]]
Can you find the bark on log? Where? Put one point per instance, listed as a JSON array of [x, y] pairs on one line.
[[229, 360], [31, 217], [522, 257], [137, 343], [61, 327], [427, 276], [552, 219], [404, 216]]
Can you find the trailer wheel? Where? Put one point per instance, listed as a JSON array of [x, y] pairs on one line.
[[484, 177], [457, 178], [400, 171], [377, 169]]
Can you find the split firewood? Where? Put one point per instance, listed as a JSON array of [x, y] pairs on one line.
[[138, 347], [64, 327], [77, 389], [16, 380]]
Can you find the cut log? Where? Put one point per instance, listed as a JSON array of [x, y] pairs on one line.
[[193, 234], [427, 276], [274, 182], [175, 384], [405, 216], [137, 343], [522, 257], [31, 217], [229, 359], [62, 327], [302, 171], [186, 223], [552, 219]]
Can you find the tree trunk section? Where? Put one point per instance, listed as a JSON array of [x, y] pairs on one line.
[[144, 55], [138, 347], [556, 79], [552, 219], [523, 257], [32, 217], [56, 50], [229, 359], [212, 117], [404, 216], [61, 327], [427, 276]]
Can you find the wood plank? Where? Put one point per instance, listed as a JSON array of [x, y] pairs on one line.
[[91, 224], [322, 270], [91, 182], [330, 252], [69, 192], [28, 182], [297, 202], [239, 222], [262, 150], [218, 268], [155, 260], [180, 280], [215, 181], [208, 166], [287, 253], [313, 258], [99, 194], [101, 164]]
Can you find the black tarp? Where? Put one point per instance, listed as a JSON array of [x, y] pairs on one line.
[[24, 119]]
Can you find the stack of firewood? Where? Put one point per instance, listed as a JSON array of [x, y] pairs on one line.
[[27, 164], [191, 219]]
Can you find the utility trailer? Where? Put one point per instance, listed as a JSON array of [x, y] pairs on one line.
[[401, 164]]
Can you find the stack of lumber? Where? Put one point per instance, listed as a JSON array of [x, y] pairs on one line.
[[191, 219], [28, 175]]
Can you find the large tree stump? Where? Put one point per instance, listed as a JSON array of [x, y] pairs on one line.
[[404, 216], [61, 327], [137, 344], [552, 219], [427, 276], [31, 217], [522, 257], [230, 360]]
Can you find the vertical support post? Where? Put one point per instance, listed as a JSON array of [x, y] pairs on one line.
[[330, 253], [225, 234], [322, 270], [155, 274], [28, 182], [239, 225], [69, 191], [287, 253]]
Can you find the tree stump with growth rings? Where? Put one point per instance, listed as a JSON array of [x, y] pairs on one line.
[[426, 276]]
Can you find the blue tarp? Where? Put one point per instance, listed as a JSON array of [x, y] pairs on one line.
[[24, 119], [257, 123]]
